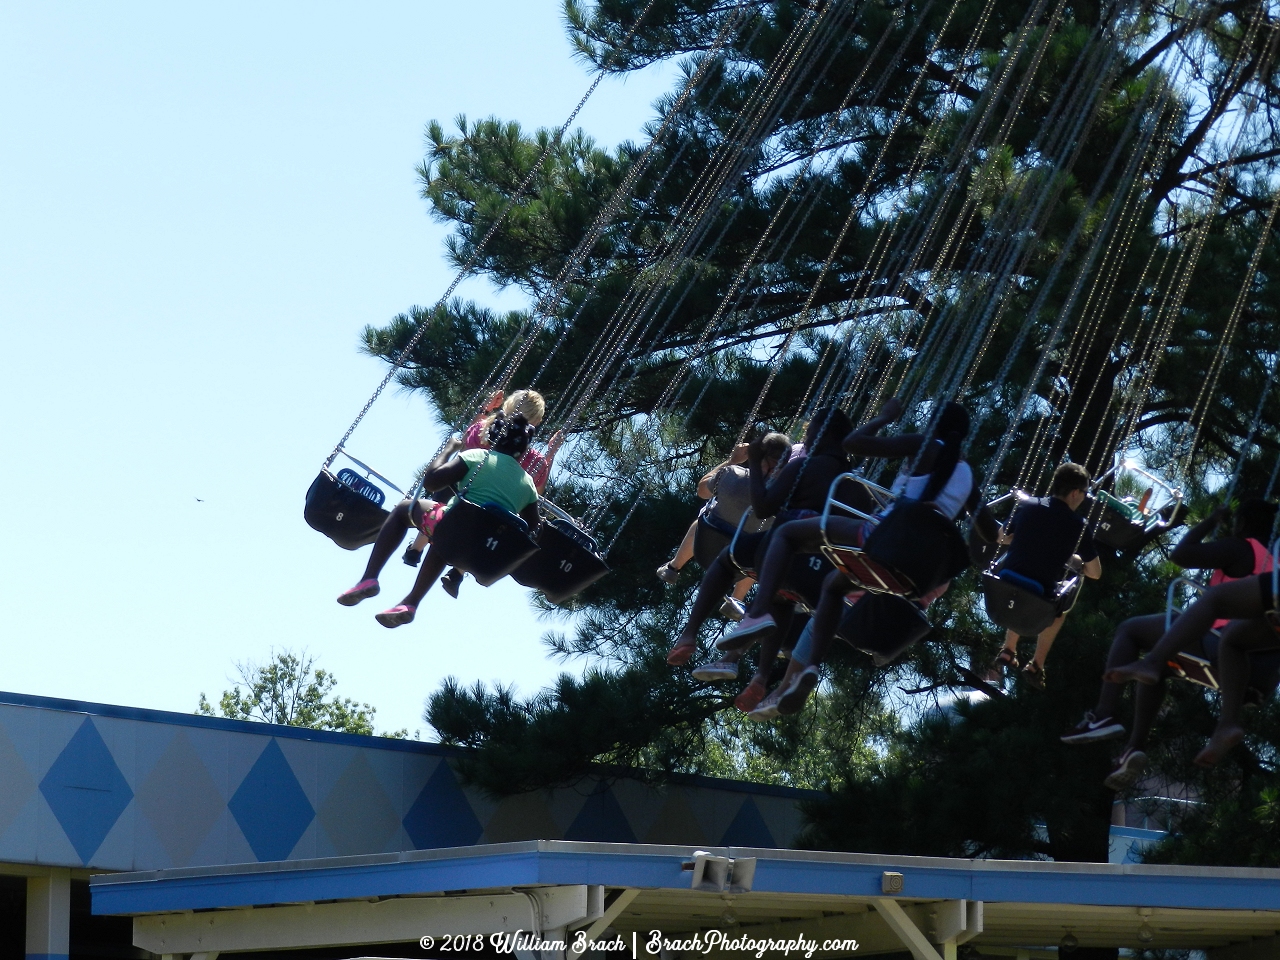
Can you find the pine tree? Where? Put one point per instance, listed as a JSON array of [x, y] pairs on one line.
[[893, 117]]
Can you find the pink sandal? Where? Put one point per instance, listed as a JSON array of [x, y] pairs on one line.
[[361, 591], [397, 616]]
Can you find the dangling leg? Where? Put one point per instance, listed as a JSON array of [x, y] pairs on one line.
[[389, 539], [1132, 637], [1236, 600], [669, 571], [798, 536], [802, 677], [1239, 640], [716, 581], [781, 613]]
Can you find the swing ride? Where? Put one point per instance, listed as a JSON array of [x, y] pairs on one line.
[[952, 297]]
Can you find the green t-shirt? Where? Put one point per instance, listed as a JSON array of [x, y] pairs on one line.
[[498, 479]]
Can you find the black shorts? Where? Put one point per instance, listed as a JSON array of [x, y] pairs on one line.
[[1264, 591]]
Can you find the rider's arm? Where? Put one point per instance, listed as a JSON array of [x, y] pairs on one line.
[[768, 500], [863, 442], [446, 469], [706, 486], [1232, 555]]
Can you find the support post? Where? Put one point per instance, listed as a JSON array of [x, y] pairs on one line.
[[614, 910], [901, 924], [49, 916]]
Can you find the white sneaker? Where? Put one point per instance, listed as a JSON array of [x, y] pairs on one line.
[[1129, 769], [768, 708], [717, 671]]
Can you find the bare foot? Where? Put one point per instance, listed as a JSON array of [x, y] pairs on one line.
[[1145, 671], [1220, 744]]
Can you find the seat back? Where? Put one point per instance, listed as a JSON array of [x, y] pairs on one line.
[[1114, 521], [1197, 670], [347, 516], [918, 545], [803, 583], [1015, 607], [361, 485], [486, 542], [566, 563], [710, 536], [883, 626]]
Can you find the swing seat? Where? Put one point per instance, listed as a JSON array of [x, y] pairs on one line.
[[485, 541], [803, 583], [982, 553], [1197, 670], [344, 509], [883, 626], [866, 573], [566, 563], [1118, 525], [710, 537], [1018, 603], [912, 550]]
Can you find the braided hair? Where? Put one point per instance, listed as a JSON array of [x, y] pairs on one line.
[[952, 428], [510, 434]]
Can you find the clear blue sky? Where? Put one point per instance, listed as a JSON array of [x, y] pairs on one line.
[[201, 208]]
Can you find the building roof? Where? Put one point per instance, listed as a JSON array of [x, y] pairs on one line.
[[1019, 903]]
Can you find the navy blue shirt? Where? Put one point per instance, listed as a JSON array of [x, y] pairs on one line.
[[1046, 532]]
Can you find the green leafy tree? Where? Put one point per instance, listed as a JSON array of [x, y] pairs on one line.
[[289, 689], [1046, 210]]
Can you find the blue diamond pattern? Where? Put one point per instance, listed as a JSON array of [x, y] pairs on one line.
[[601, 819], [441, 816], [86, 790], [270, 806], [748, 828]]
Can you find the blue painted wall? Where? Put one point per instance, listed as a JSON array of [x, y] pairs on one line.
[[121, 789]]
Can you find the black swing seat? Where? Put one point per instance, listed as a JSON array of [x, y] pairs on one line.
[[710, 536], [1117, 524], [567, 561], [883, 626], [912, 550], [1019, 603], [803, 583], [486, 541], [346, 508]]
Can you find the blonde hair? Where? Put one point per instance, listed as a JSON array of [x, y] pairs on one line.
[[527, 402]]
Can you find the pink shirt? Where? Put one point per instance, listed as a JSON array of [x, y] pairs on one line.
[[1261, 564], [537, 466]]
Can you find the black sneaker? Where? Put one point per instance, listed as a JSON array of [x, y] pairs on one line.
[[1093, 728], [451, 581], [412, 556], [1129, 770]]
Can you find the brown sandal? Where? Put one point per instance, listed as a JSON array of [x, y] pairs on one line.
[[1033, 673], [1006, 659]]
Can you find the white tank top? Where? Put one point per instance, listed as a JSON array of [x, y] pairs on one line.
[[953, 496]]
